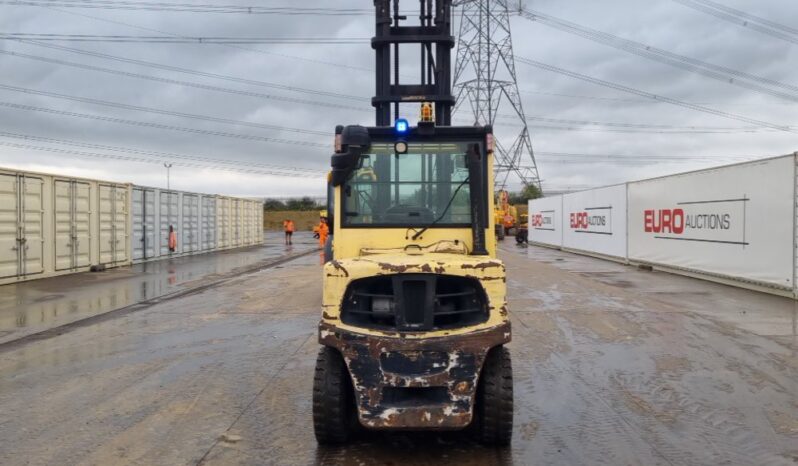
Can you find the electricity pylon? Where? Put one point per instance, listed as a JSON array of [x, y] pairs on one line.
[[485, 77]]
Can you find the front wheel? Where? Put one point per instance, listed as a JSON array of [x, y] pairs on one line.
[[494, 404], [333, 399]]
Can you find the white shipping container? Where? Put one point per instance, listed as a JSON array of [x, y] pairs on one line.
[[190, 223], [733, 222], [594, 221], [247, 221], [235, 224], [22, 231], [145, 214], [545, 221], [208, 227], [53, 225], [168, 216], [72, 223], [223, 221], [113, 224]]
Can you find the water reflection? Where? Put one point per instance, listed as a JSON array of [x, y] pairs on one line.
[[32, 306]]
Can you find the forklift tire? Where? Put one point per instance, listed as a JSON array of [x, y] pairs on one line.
[[494, 404], [333, 399]]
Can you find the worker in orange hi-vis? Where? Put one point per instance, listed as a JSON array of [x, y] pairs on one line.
[[172, 239], [288, 227], [322, 230]]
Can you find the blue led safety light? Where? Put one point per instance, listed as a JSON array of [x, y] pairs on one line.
[[401, 126]]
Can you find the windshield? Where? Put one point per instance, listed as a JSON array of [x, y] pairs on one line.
[[412, 189]]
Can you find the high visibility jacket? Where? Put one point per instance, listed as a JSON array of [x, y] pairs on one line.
[[173, 240], [323, 230], [288, 226]]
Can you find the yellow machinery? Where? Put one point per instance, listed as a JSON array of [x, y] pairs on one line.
[[505, 215], [414, 312]]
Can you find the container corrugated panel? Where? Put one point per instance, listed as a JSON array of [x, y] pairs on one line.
[[144, 214], [169, 216], [72, 223], [235, 223], [52, 225], [113, 223], [189, 232], [246, 220], [223, 222], [208, 228], [22, 231]]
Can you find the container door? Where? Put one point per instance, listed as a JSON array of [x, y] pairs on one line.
[[208, 223], [223, 222], [190, 225], [31, 225], [143, 216], [236, 236], [71, 218], [112, 221], [169, 211], [9, 220], [137, 215], [81, 223], [245, 221], [105, 220]]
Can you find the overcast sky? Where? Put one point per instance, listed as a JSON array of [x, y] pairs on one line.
[[347, 69]]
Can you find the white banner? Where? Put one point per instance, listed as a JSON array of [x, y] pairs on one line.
[[545, 220], [735, 221], [595, 221]]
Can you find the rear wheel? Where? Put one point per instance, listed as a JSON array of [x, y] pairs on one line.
[[494, 404], [333, 399]]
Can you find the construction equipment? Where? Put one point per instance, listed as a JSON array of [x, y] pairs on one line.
[[414, 313], [505, 215]]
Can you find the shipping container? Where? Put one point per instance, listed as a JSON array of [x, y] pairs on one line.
[[235, 224], [202, 222], [208, 241], [223, 221], [733, 223], [53, 225], [145, 227], [594, 222], [545, 221]]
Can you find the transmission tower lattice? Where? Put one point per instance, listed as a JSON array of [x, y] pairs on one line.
[[484, 77]]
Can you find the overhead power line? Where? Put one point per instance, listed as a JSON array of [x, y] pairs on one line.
[[194, 7], [165, 155], [688, 129], [144, 160], [177, 69], [184, 40], [650, 95], [743, 19], [205, 86], [721, 73], [138, 108], [148, 124]]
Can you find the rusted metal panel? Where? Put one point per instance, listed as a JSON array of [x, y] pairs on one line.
[[377, 363]]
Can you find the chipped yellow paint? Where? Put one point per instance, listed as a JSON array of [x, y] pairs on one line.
[[366, 252], [490, 273]]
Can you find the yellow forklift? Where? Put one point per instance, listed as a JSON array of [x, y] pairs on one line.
[[414, 315]]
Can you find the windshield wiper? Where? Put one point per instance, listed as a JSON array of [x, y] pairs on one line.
[[443, 214]]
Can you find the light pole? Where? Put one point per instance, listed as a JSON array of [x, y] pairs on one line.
[[168, 166]]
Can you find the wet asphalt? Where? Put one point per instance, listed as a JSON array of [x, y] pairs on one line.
[[612, 365], [35, 306]]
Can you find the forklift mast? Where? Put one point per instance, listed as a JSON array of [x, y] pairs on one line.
[[433, 35]]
